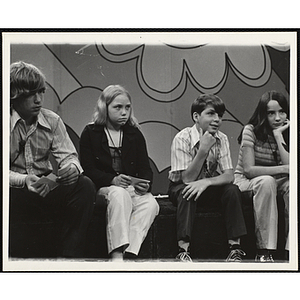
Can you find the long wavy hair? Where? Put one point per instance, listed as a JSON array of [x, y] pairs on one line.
[[259, 119], [106, 97]]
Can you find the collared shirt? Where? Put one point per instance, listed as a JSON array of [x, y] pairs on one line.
[[185, 147], [31, 146]]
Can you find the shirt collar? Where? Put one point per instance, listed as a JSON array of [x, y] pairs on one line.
[[196, 135], [15, 117], [42, 120]]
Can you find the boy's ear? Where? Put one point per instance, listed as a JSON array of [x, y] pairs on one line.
[[195, 116]]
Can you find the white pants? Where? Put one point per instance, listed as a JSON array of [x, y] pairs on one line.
[[129, 217], [265, 190]]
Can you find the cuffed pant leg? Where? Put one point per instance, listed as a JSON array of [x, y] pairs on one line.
[[119, 209], [265, 211], [145, 209]]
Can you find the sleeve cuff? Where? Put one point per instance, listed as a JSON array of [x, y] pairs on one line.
[[17, 180]]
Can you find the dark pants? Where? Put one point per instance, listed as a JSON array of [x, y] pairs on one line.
[[226, 198], [72, 204]]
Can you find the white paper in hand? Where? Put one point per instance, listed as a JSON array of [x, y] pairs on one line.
[[50, 180], [135, 180]]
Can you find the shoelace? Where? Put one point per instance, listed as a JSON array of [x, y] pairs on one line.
[[236, 255], [184, 256]]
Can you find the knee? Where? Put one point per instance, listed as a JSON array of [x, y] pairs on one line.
[[87, 184], [267, 180], [266, 183], [118, 196], [232, 188], [232, 195], [233, 192], [86, 189], [153, 206]]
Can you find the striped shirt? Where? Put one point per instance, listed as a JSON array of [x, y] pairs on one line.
[[184, 149], [30, 148], [263, 151]]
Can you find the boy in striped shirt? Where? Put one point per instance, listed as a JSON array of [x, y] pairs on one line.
[[202, 174]]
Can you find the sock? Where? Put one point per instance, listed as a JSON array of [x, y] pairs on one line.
[[234, 242], [263, 252], [234, 246], [184, 245]]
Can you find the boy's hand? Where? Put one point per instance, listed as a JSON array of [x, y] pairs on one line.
[[68, 175], [207, 141], [42, 189], [195, 189]]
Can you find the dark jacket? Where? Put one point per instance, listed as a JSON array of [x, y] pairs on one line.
[[96, 159]]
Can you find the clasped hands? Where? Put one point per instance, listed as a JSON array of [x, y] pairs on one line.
[[124, 181], [67, 176]]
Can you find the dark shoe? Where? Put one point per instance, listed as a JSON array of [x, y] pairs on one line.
[[184, 256], [235, 254], [130, 256], [264, 258]]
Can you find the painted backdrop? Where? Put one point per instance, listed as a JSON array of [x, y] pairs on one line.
[[163, 79]]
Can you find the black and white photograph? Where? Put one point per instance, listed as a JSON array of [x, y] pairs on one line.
[[150, 151]]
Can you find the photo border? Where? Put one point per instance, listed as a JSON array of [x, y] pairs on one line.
[[149, 36]]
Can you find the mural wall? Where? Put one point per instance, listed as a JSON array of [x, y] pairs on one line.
[[163, 79]]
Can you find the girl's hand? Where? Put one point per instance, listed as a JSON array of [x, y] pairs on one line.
[[122, 180], [141, 188], [279, 130]]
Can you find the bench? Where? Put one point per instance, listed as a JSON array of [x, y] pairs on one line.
[[36, 236], [209, 235]]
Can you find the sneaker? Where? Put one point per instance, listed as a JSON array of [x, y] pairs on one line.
[[184, 256], [235, 254], [264, 258]]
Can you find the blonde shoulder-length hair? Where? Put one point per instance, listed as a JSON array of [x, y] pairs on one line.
[[105, 98]]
